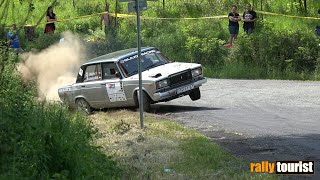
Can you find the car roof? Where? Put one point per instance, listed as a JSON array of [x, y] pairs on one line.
[[117, 55]]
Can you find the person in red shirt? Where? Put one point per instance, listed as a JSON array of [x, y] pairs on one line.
[[51, 18]]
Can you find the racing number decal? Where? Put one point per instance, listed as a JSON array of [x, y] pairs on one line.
[[115, 92]]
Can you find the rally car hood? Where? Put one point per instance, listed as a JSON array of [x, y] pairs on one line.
[[165, 70]]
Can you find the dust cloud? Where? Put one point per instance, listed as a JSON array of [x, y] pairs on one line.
[[54, 67]]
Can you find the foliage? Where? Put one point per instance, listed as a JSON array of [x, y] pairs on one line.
[[201, 41], [40, 140], [43, 41], [277, 52]]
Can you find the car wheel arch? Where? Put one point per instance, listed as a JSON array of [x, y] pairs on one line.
[[135, 96], [136, 90], [88, 109]]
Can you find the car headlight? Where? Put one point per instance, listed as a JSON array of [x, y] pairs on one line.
[[196, 72], [162, 84]]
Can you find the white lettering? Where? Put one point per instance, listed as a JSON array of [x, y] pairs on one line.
[[310, 166], [279, 167], [136, 56], [291, 167], [305, 167], [284, 167]]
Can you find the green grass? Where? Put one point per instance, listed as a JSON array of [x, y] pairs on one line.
[[165, 149], [42, 140], [198, 41], [239, 71]]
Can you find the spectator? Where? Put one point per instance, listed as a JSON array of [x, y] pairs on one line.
[[234, 19], [249, 17], [29, 32], [317, 30], [107, 19], [51, 17], [13, 38]]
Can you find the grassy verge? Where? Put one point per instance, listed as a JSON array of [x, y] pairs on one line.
[[164, 150], [240, 71]]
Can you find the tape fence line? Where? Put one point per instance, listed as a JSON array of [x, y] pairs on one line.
[[160, 18], [121, 16], [289, 16]]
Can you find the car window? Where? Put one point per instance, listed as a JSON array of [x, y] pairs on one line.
[[150, 59], [109, 70], [92, 73]]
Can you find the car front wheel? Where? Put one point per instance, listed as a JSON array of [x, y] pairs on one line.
[[83, 105], [146, 101], [195, 94]]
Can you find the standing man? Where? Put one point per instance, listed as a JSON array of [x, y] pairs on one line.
[[107, 19], [13, 38], [234, 19], [317, 30], [249, 17]]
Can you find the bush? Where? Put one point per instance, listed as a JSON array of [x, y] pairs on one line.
[[40, 140], [43, 41], [277, 52]]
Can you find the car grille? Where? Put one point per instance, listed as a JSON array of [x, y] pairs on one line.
[[180, 78]]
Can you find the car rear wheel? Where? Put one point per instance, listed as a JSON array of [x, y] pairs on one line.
[[195, 94], [83, 105]]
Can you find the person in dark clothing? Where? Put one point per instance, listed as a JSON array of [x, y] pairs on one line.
[[249, 17], [317, 30], [51, 17], [234, 19]]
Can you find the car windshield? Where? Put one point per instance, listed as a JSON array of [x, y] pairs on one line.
[[149, 59]]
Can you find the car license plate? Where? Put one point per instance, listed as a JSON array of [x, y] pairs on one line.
[[185, 89]]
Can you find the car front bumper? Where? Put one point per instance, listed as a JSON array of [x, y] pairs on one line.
[[175, 92]]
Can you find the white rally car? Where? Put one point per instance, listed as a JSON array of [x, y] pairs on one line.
[[112, 80]]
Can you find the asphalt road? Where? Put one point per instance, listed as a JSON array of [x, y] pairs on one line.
[[255, 119]]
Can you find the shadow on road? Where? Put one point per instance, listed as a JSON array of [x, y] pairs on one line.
[[163, 108]]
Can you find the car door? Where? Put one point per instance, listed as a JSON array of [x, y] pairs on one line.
[[113, 85], [91, 88]]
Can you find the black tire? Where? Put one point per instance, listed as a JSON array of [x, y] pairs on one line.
[[146, 101], [83, 105], [195, 94]]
